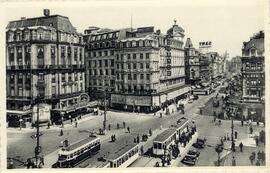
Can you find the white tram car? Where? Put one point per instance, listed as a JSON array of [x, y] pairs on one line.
[[124, 156], [75, 153], [164, 140]]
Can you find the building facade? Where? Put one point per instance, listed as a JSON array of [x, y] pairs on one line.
[[100, 60], [150, 69], [253, 75], [45, 59], [234, 65], [196, 65]]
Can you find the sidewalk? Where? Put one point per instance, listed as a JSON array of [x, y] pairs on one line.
[[67, 124]]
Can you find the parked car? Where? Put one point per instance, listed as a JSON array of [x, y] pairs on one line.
[[201, 141], [197, 145], [180, 120], [190, 101], [193, 152], [188, 160], [191, 156]]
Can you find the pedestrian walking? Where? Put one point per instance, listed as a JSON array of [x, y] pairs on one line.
[[61, 132], [259, 155], [42, 160], [235, 134], [71, 120], [114, 137], [49, 125], [250, 129], [150, 132], [257, 141], [128, 129], [124, 124], [138, 139], [251, 158], [228, 137], [263, 156], [118, 126], [109, 126], [233, 161], [241, 147], [242, 123], [258, 162], [76, 124], [219, 122]]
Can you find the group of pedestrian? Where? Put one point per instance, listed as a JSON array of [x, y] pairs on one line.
[[144, 137], [260, 158], [137, 139], [113, 138]]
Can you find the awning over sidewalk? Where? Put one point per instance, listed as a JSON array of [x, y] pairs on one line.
[[77, 107], [19, 112]]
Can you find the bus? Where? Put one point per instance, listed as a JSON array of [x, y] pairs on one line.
[[123, 156], [77, 152]]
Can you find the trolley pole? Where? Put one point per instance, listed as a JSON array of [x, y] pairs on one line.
[[233, 145], [37, 149], [105, 112]]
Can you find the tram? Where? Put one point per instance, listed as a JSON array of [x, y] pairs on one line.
[[77, 152], [168, 137], [124, 156]]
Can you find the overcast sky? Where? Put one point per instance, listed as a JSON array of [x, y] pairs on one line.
[[226, 23]]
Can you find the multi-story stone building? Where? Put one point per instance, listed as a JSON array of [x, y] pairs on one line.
[[196, 64], [234, 65], [100, 60], [217, 63], [44, 58], [253, 75], [150, 69]]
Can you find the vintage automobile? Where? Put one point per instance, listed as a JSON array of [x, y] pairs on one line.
[[193, 153], [189, 160]]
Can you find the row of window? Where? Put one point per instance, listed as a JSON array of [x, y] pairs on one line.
[[253, 82], [253, 75], [102, 53], [101, 63], [101, 72], [132, 56], [134, 66], [104, 36], [131, 88], [102, 82], [134, 77], [108, 44]]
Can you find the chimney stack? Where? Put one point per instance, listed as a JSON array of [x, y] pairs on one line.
[[46, 12]]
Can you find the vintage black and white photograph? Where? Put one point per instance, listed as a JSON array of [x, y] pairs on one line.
[[115, 84]]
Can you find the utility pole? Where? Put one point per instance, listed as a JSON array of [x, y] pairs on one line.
[[38, 148], [104, 121]]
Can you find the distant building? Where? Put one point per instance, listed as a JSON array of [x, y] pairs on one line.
[[196, 65], [234, 65], [253, 75], [217, 63], [150, 69], [44, 58]]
